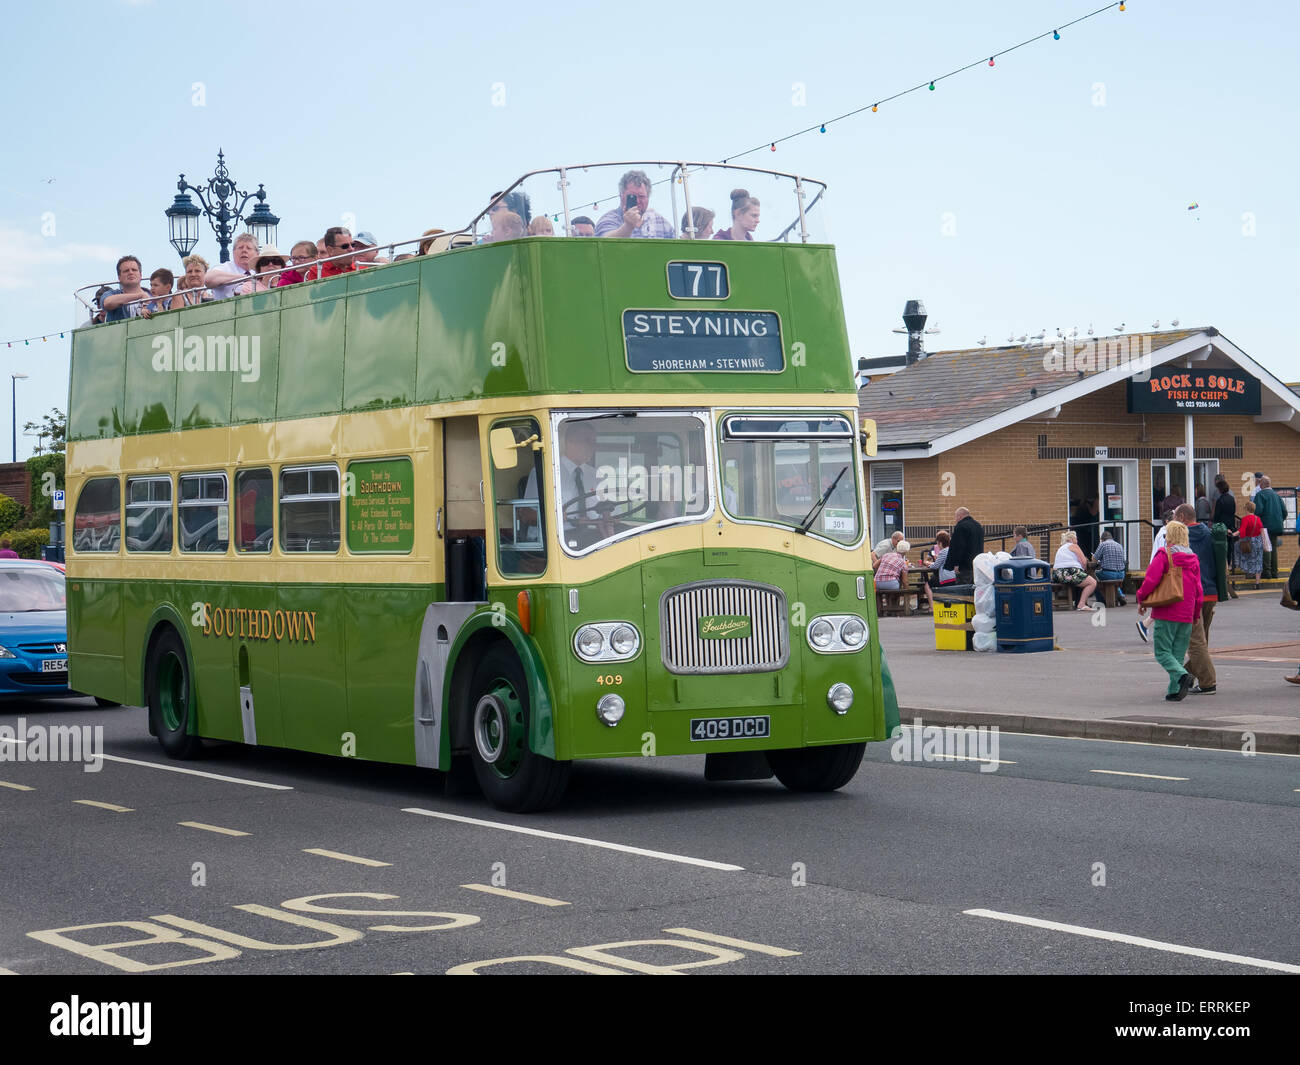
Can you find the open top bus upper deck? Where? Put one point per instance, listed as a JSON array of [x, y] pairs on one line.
[[528, 316]]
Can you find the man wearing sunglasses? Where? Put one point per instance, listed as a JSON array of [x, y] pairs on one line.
[[337, 241]]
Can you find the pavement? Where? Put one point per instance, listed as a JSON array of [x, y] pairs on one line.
[[1102, 681]]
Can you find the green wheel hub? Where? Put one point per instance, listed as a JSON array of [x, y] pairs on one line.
[[173, 690], [499, 729]]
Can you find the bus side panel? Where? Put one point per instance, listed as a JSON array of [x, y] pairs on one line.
[[380, 367], [311, 359], [97, 382], [95, 640], [218, 663], [313, 670], [383, 630], [254, 401]]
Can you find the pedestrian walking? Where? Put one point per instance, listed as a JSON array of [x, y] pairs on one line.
[[1271, 512], [1173, 584], [1250, 544], [1198, 663]]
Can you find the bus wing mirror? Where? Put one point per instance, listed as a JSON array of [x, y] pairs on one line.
[[868, 436], [505, 455]]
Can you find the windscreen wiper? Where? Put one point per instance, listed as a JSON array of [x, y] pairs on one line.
[[811, 516]]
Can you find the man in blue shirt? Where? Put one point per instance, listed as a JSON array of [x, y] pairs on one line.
[[1112, 563], [122, 302]]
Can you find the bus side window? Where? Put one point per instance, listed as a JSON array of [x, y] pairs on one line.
[[309, 508], [254, 507], [149, 514], [203, 514], [97, 523]]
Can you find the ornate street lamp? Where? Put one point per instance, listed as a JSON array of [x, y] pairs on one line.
[[224, 206]]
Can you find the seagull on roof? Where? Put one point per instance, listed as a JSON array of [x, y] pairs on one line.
[[1039, 335], [1022, 339], [1119, 328], [1155, 324], [982, 341], [1174, 323], [1090, 329], [1058, 332], [1011, 339]]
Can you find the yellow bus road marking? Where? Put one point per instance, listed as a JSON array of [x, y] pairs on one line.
[[1148, 776], [343, 857], [197, 773], [522, 896], [1137, 941], [739, 944], [105, 806], [16, 787], [213, 828], [623, 847]]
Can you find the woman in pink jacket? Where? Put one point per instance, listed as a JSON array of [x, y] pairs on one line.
[[1174, 622]]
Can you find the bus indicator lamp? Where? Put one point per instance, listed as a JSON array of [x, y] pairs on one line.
[[840, 698], [524, 608], [610, 709]]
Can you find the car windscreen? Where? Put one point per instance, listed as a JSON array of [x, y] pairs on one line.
[[23, 590]]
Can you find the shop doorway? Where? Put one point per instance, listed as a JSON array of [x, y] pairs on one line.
[[1103, 496], [886, 500]]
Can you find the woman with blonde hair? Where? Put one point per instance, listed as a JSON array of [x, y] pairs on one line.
[[1174, 621], [1071, 567], [744, 217], [189, 289], [541, 226]]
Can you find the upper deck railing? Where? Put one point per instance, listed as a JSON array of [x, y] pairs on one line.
[[697, 195]]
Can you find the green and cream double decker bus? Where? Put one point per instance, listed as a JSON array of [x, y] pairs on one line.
[[520, 502]]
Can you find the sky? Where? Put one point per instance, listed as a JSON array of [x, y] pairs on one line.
[[1049, 191]]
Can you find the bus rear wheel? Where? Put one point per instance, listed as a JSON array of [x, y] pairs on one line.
[[170, 695], [817, 768], [512, 777]]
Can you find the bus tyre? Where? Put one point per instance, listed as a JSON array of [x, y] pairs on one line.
[[512, 777], [170, 694], [817, 768]]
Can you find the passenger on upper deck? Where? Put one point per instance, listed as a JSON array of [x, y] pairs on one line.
[[119, 304], [337, 240], [541, 227], [702, 220], [506, 225], [583, 226], [225, 279], [160, 287], [639, 219], [189, 289], [369, 256], [744, 217], [268, 259]]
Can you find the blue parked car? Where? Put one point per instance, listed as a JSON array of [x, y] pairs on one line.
[[33, 629]]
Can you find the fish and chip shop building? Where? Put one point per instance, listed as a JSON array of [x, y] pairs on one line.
[[1023, 434]]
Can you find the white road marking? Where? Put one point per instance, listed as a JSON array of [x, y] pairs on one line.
[[16, 787], [343, 857], [197, 773], [739, 944], [15, 740], [665, 856], [541, 900], [213, 828], [971, 758], [105, 806], [1137, 941], [1121, 773]]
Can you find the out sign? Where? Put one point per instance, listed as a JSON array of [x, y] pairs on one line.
[[59, 499], [1101, 452]]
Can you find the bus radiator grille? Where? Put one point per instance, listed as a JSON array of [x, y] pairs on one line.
[[765, 647]]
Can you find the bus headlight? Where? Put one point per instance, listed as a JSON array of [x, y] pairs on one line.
[[853, 632], [624, 640], [821, 632], [607, 641], [610, 709], [837, 633], [840, 698]]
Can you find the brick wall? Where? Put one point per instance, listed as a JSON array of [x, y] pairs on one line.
[[13, 481], [1004, 480]]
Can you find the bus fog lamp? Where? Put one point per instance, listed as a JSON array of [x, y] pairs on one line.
[[840, 698], [610, 709], [821, 633]]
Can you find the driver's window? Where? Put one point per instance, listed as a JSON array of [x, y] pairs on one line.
[[518, 503]]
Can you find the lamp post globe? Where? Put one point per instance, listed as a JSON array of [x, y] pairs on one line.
[[261, 222], [183, 221]]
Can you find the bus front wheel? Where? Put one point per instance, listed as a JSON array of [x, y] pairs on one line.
[[817, 768], [170, 694], [512, 777]]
